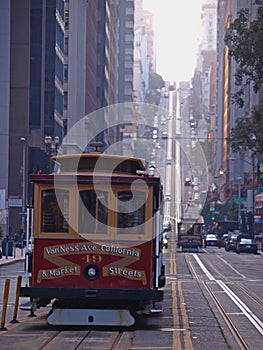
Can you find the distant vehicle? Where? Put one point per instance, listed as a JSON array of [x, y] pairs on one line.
[[153, 154], [231, 243], [164, 134], [223, 240], [196, 196], [211, 240], [246, 245], [195, 181], [187, 181], [196, 188], [166, 94], [165, 241], [190, 233]]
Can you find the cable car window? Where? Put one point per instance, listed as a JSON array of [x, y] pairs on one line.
[[55, 209], [93, 214], [131, 211]]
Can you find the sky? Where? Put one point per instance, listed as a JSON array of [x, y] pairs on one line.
[[177, 28]]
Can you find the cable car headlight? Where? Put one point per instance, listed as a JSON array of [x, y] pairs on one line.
[[92, 272]]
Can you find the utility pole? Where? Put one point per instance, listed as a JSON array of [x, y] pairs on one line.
[[22, 139]]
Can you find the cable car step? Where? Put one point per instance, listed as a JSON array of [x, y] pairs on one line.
[[92, 317]]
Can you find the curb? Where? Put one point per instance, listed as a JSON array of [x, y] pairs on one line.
[[10, 260]]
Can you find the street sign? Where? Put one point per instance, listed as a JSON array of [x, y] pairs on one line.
[[14, 201], [239, 199]]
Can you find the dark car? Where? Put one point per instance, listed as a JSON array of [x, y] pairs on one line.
[[231, 243], [246, 245], [211, 240], [223, 240]]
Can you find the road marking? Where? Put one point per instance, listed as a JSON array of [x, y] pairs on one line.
[[243, 307], [231, 267], [207, 273], [257, 323], [187, 335], [176, 323]]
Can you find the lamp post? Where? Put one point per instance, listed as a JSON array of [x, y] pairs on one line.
[[253, 193], [51, 147], [239, 178], [51, 144], [22, 139]]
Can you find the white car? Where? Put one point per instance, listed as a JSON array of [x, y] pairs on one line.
[[196, 188], [164, 134], [196, 196]]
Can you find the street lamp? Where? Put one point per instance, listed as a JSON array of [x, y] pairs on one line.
[[51, 147], [239, 178], [22, 139], [52, 144]]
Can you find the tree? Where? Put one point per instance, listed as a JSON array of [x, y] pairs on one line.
[[227, 210], [248, 132], [245, 41], [155, 81]]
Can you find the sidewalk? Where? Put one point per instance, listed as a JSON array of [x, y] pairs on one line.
[[11, 259]]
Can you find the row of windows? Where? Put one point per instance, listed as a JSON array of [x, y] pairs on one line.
[[93, 215]]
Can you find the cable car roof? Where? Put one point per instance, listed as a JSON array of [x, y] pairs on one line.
[[99, 162]]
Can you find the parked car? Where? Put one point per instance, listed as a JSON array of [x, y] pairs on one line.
[[164, 135], [246, 245], [231, 243], [165, 241], [196, 196], [211, 240], [196, 188], [223, 240], [187, 181]]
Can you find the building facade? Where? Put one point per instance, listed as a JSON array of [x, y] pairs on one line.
[[62, 60]]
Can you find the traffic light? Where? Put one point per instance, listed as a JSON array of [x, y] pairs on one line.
[[213, 219]]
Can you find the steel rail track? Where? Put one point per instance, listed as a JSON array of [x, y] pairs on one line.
[[236, 283], [114, 344], [238, 337]]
